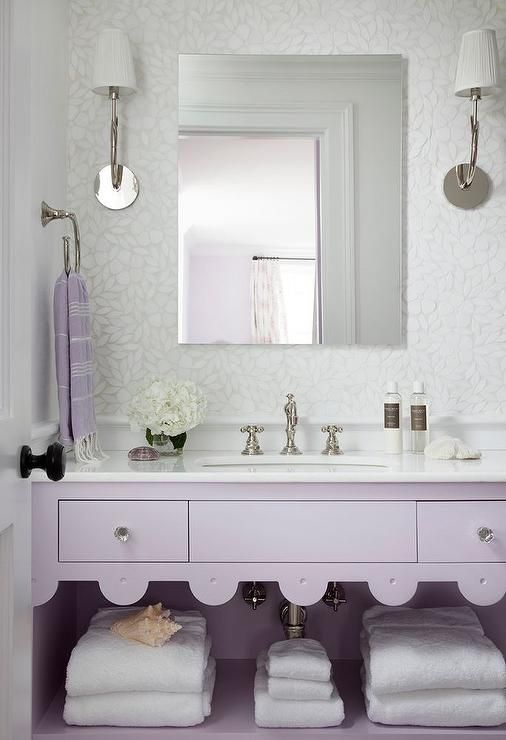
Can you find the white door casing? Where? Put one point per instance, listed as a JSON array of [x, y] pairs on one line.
[[15, 574]]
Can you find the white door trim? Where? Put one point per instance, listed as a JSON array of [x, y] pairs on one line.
[[5, 183], [16, 219]]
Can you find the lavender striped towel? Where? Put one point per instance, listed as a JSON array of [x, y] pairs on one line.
[[74, 367]]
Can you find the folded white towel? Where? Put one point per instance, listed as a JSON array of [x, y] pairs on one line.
[[396, 617], [295, 689], [401, 660], [302, 658], [271, 712], [451, 448], [103, 662], [143, 708], [298, 689], [437, 708]]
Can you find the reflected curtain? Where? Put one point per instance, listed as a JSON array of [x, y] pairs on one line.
[[268, 317]]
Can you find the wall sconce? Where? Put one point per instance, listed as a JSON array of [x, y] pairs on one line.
[[116, 186], [466, 185]]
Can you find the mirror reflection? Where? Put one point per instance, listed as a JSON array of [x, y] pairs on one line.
[[248, 226], [282, 239]]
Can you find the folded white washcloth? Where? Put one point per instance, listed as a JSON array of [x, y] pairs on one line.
[[103, 662], [296, 689], [271, 712], [451, 448], [394, 617], [438, 707], [401, 660], [143, 708], [302, 658]]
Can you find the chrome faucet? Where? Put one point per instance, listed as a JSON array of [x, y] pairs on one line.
[[291, 424]]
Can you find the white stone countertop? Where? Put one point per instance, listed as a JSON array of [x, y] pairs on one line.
[[312, 467]]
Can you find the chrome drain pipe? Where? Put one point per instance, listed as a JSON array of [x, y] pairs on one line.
[[293, 619]]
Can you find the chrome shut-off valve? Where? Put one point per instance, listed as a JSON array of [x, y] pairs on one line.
[[254, 594], [334, 596]]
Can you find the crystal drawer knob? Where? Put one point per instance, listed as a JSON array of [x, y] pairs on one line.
[[122, 534], [485, 534]]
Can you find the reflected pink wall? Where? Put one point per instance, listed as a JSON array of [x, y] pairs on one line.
[[219, 309]]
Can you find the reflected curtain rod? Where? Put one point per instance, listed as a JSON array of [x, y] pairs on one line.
[[290, 259]]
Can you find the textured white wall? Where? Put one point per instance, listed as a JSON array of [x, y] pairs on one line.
[[455, 283]]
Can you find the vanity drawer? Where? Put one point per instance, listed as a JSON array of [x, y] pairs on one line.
[[448, 531], [156, 531], [311, 532]]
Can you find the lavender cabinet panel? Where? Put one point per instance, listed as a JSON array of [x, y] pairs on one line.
[[123, 531], [318, 531], [460, 532]]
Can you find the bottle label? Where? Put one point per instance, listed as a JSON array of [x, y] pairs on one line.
[[419, 418], [391, 416]]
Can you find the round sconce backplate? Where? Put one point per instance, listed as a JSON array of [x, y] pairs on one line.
[[113, 198], [472, 196]]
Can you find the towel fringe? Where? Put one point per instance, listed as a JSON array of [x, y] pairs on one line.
[[88, 449]]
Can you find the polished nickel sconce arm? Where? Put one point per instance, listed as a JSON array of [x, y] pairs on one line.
[[115, 170], [466, 181], [116, 186]]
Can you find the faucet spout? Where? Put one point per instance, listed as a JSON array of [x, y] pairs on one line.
[[291, 425]]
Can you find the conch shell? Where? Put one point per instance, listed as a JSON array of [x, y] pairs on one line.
[[151, 626]]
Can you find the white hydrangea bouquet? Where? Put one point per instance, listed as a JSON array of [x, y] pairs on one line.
[[167, 409]]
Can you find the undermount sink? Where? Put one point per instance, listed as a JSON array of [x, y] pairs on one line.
[[295, 463]]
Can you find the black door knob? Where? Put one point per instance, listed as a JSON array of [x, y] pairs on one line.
[[53, 461]]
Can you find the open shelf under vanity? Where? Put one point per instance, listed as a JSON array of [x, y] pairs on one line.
[[239, 634], [233, 715]]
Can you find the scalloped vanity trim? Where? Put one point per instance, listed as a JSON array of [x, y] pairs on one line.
[[393, 584]]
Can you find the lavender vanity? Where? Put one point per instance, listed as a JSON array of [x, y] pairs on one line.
[[187, 531]]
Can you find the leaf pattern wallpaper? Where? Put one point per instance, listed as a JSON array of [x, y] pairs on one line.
[[454, 261]]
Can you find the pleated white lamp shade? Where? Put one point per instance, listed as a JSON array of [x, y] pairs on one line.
[[114, 66], [478, 63]]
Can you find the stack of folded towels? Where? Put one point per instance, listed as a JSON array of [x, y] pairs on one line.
[[431, 667], [294, 688], [116, 681]]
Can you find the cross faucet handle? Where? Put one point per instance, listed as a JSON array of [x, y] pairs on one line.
[[332, 446], [252, 445]]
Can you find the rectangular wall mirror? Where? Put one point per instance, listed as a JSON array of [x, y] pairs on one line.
[[290, 185]]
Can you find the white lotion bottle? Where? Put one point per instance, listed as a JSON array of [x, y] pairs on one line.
[[419, 418], [392, 420]]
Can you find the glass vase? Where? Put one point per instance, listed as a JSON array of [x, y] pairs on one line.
[[166, 444]]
